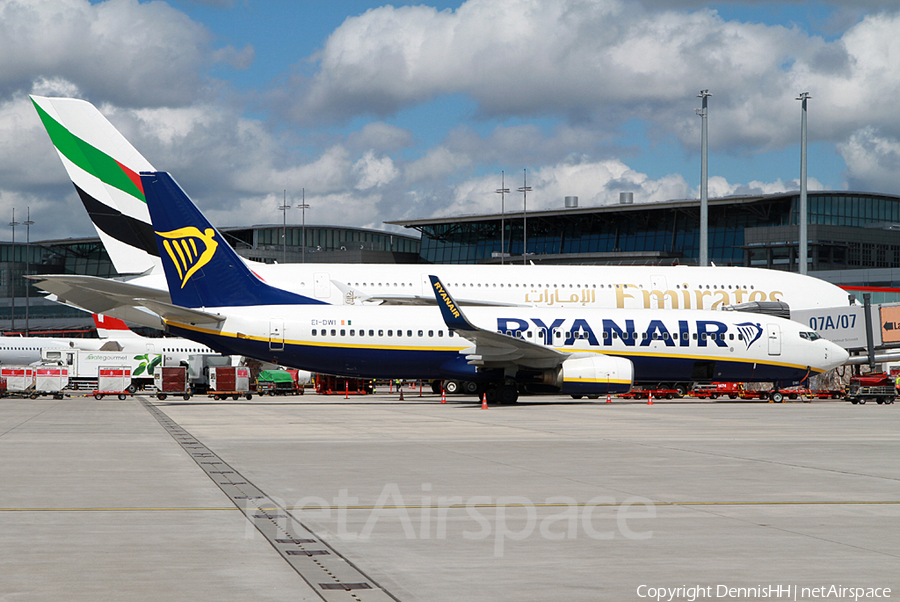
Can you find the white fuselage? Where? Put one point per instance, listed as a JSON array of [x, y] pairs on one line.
[[414, 342], [632, 287], [27, 350]]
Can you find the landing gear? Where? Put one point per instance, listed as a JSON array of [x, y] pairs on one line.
[[504, 393]]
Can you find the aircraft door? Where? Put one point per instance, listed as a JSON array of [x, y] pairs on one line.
[[276, 335], [773, 333], [658, 287], [322, 285]]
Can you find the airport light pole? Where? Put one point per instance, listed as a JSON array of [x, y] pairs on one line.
[[284, 207], [524, 189], [704, 178], [28, 223], [303, 207], [802, 218], [502, 191], [12, 271]]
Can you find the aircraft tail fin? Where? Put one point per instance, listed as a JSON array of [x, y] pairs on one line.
[[107, 327], [201, 269], [104, 168]]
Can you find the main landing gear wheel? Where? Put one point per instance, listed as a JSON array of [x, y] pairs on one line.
[[470, 388], [507, 394], [451, 386]]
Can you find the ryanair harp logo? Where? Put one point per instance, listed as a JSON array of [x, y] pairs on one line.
[[750, 331], [189, 249]]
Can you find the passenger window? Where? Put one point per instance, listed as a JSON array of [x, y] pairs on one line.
[[313, 333], [380, 332], [431, 333], [440, 333], [409, 333], [343, 332]]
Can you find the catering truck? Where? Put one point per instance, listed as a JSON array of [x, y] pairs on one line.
[[84, 366]]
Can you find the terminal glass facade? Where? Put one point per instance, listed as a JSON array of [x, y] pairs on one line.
[[672, 229]]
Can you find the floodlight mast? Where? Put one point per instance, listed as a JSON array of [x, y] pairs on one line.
[[12, 271], [803, 243], [524, 189], [283, 208], [704, 179], [502, 191], [304, 206]]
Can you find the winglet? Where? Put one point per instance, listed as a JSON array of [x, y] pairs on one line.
[[452, 314]]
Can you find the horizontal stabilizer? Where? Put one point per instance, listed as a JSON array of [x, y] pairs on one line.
[[169, 312]]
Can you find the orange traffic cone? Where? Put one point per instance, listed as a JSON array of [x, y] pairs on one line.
[[608, 398], [443, 395], [650, 400], [484, 401], [401, 393]]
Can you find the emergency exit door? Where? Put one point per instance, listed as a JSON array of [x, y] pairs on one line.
[[773, 333], [276, 335]]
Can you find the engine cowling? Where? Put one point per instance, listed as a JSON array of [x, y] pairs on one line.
[[597, 374]]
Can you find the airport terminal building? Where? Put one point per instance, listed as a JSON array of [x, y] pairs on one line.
[[853, 241]]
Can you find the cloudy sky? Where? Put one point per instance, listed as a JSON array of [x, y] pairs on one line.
[[386, 112]]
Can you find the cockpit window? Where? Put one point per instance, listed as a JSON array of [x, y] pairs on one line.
[[810, 336]]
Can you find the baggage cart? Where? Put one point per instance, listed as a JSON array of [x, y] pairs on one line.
[[113, 380], [225, 381], [19, 380], [50, 380], [172, 380]]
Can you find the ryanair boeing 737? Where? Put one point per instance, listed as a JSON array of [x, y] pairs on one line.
[[218, 301]]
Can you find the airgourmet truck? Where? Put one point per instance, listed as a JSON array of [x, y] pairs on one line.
[[84, 366]]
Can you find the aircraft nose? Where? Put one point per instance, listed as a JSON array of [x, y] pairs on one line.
[[835, 355]]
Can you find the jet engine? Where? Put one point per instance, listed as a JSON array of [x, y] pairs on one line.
[[592, 375]]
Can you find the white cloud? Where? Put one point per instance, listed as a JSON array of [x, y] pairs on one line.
[[130, 53], [873, 161], [374, 171], [611, 61], [438, 163]]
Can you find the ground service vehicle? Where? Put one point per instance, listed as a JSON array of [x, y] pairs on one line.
[[327, 384], [231, 381], [172, 380], [113, 380], [876, 386], [277, 382]]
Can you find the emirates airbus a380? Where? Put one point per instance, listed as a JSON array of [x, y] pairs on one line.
[[105, 167]]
